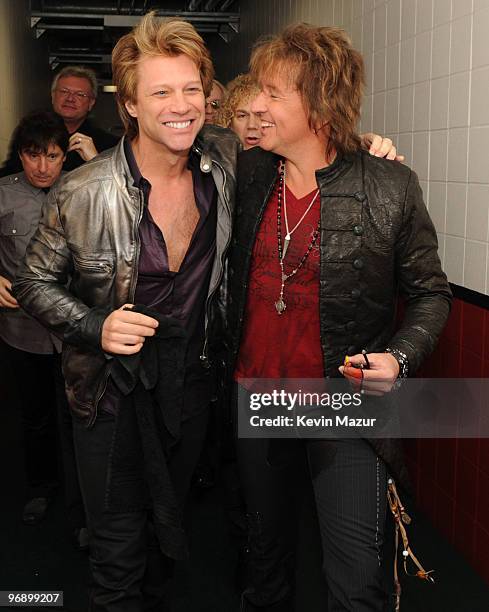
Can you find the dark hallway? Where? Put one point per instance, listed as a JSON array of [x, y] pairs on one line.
[[42, 557]]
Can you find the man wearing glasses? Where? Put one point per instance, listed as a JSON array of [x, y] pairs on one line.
[[214, 101], [73, 95]]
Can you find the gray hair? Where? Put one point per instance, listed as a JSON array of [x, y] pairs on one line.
[[77, 71]]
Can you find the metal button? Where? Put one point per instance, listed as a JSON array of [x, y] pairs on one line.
[[205, 362], [358, 230], [206, 167], [14, 231], [355, 293], [361, 196], [358, 264]]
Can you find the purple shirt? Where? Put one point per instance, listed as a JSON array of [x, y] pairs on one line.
[[179, 294]]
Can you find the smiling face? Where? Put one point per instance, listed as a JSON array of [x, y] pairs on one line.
[[246, 124], [170, 103], [42, 168], [284, 122], [73, 98]]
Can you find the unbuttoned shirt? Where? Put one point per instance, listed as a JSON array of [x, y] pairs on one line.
[[181, 295], [20, 212]]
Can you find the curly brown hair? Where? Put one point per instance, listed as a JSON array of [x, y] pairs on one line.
[[326, 70], [151, 37], [239, 91]]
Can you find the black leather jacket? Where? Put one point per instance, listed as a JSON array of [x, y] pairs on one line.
[[82, 262], [377, 240]]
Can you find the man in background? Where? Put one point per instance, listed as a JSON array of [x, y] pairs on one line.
[[73, 95], [29, 348]]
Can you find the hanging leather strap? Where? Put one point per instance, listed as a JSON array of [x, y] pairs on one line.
[[402, 518]]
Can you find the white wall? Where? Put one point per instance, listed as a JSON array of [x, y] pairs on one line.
[[427, 65], [25, 77], [428, 87]]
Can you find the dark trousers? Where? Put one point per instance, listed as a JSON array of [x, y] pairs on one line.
[[129, 571], [350, 484], [75, 513], [33, 383]]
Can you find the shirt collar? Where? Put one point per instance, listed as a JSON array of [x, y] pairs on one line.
[[192, 164]]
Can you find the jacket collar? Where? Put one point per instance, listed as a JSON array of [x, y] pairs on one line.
[[120, 169], [209, 146]]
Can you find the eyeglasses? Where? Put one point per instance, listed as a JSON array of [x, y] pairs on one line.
[[80, 95], [214, 103]]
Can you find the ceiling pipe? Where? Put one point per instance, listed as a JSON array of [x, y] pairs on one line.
[[76, 8], [193, 5], [210, 4]]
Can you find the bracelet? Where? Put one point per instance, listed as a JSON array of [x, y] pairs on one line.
[[402, 360]]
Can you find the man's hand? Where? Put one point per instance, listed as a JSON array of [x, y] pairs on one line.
[[83, 145], [124, 331], [378, 379], [7, 300], [380, 147]]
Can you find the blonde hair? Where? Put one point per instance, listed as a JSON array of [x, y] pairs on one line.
[[326, 70], [240, 90], [152, 37]]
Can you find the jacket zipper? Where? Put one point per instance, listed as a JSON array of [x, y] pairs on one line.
[[95, 267], [203, 356]]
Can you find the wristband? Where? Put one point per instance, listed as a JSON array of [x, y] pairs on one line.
[[402, 360]]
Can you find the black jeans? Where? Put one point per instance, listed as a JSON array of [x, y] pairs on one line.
[[33, 383], [350, 484], [75, 513], [129, 571]]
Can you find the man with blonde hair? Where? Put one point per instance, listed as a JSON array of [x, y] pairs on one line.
[[142, 233]]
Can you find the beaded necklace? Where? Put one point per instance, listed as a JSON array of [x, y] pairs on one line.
[[280, 304]]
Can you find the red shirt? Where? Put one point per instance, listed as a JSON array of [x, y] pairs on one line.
[[286, 345]]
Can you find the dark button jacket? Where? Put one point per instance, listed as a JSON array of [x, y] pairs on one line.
[[89, 233], [377, 240]]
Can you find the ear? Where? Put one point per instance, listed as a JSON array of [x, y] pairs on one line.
[[91, 103], [131, 108], [323, 127]]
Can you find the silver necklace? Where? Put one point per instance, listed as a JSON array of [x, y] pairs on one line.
[[289, 233]]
